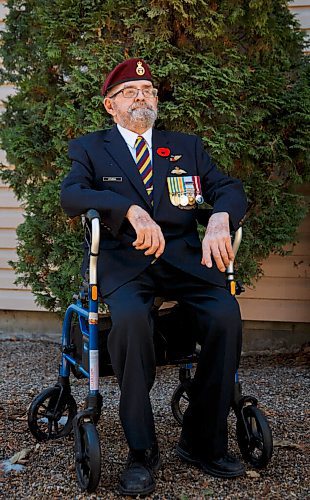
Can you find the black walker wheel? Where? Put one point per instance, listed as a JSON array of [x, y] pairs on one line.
[[254, 436], [88, 459], [51, 413], [179, 403]]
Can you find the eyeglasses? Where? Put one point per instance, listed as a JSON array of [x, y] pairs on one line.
[[132, 92]]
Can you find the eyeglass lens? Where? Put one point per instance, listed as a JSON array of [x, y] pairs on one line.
[[133, 92]]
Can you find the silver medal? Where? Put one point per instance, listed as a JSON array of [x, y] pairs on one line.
[[183, 200], [199, 199]]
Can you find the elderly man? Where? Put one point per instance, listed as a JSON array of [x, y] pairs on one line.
[[148, 185]]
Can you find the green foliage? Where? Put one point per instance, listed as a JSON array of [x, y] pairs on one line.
[[231, 71]]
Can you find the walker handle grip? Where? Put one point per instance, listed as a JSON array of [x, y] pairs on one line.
[[94, 219]]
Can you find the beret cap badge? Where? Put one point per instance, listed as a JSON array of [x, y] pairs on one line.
[[139, 69]]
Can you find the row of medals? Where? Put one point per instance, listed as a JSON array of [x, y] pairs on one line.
[[185, 192]]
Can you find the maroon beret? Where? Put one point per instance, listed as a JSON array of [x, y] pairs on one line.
[[126, 71]]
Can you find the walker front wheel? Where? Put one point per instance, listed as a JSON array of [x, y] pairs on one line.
[[51, 413], [254, 436], [88, 457]]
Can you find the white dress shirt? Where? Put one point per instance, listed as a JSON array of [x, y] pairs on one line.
[[131, 137]]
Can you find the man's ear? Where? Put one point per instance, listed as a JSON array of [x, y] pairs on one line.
[[108, 104]]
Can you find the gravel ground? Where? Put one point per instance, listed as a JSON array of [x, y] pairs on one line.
[[280, 382]]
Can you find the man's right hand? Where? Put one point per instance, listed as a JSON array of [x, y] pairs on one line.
[[149, 234]]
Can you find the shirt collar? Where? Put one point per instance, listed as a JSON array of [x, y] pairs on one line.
[[130, 137]]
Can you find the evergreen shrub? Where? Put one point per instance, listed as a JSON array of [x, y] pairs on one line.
[[232, 71]]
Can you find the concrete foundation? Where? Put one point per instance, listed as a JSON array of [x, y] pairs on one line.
[[274, 336], [258, 336], [30, 324]]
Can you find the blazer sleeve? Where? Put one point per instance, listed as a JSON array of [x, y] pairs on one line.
[[224, 193], [77, 195]]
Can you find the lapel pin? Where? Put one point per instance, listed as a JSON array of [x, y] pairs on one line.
[[175, 157], [164, 152], [178, 171]]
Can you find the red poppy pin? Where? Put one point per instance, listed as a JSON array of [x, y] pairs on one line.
[[164, 152]]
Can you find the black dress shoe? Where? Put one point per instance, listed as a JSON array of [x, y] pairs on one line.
[[226, 466], [138, 478]]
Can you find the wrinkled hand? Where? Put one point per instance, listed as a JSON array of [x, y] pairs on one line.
[[149, 234], [217, 242]]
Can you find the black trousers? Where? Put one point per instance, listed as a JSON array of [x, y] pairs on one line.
[[216, 324]]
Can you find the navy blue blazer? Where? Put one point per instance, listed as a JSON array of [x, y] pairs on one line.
[[104, 176]]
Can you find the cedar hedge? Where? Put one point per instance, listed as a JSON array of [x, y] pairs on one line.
[[231, 71]]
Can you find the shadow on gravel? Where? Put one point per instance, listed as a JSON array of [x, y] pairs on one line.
[[280, 383]]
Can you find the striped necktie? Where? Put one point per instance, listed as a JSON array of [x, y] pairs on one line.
[[144, 165]]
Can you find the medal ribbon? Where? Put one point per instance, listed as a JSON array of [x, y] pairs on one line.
[[197, 184], [180, 183], [170, 186]]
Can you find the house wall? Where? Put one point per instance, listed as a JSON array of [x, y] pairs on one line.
[[280, 302]]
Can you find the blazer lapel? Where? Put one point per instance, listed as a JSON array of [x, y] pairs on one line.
[[160, 165], [118, 150]]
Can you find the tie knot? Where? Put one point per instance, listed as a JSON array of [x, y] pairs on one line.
[[139, 140]]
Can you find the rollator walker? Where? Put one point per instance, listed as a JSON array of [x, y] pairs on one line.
[[53, 413]]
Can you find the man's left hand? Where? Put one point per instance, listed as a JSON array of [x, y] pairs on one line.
[[217, 242]]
